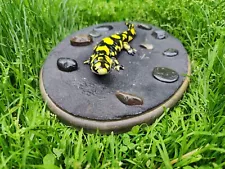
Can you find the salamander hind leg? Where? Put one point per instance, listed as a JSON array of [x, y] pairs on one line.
[[116, 65], [129, 49]]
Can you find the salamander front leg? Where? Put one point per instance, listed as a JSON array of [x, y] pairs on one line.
[[129, 49], [116, 65], [87, 62]]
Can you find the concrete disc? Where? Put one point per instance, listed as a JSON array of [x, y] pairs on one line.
[[154, 77]]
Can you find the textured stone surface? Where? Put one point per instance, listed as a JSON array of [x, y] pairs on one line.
[[84, 94]]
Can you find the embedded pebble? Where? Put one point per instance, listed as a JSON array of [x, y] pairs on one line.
[[103, 28], [129, 99], [146, 46], [145, 27], [81, 40], [165, 74], [159, 34], [67, 64], [95, 34], [171, 52]]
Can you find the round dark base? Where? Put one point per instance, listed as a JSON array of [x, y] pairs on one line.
[[85, 100]]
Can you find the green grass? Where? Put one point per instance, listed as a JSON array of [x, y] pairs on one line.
[[32, 137]]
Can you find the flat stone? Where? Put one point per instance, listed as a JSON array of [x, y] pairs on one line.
[[81, 40], [129, 99], [171, 52], [164, 74], [95, 34], [146, 46], [67, 64], [159, 34], [144, 26], [85, 100], [103, 28]]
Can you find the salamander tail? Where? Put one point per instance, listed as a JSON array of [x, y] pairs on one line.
[[129, 25]]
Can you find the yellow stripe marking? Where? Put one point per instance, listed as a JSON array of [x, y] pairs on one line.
[[130, 38], [98, 64], [112, 54], [116, 36], [93, 58], [121, 44], [103, 48], [132, 31], [124, 35], [107, 66], [108, 59], [100, 58], [117, 48], [108, 41]]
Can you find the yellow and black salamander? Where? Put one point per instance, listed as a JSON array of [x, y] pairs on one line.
[[104, 59]]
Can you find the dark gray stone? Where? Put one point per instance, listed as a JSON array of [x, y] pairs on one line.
[[67, 64], [165, 74], [83, 94]]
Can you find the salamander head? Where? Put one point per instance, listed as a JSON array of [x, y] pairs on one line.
[[101, 68], [102, 71]]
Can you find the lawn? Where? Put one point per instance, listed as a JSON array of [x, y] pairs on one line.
[[191, 135]]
